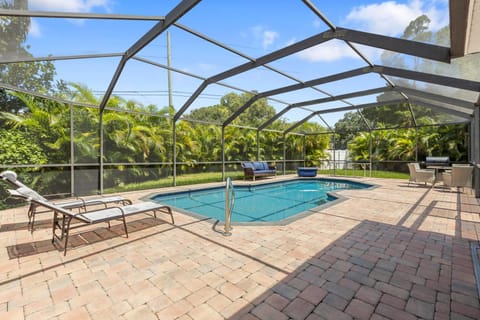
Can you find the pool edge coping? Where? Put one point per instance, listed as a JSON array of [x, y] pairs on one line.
[[338, 199]]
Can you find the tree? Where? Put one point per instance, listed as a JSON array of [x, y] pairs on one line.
[[18, 147], [432, 140], [271, 145], [32, 76], [360, 146], [402, 145], [347, 127], [240, 144], [256, 114], [387, 115], [47, 124]]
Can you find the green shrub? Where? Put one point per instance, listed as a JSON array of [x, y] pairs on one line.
[[17, 147]]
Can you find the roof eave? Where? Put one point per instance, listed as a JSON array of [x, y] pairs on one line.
[[464, 25]]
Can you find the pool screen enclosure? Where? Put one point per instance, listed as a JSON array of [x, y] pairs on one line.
[[128, 49]]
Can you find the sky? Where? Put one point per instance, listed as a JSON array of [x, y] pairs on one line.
[[252, 27]]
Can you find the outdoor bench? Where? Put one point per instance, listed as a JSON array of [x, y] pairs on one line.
[[258, 169]]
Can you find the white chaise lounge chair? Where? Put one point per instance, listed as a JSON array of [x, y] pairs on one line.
[[79, 203], [62, 217]]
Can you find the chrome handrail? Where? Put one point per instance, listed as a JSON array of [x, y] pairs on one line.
[[229, 205]]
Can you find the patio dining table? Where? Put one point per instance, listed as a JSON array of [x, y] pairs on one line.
[[438, 171]]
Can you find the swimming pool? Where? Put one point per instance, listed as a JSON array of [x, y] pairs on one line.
[[270, 202]]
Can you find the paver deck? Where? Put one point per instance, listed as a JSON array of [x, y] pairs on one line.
[[393, 252]]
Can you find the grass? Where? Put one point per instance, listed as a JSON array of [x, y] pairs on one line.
[[182, 180], [197, 178], [360, 173]]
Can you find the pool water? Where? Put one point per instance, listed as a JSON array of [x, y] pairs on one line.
[[261, 203]]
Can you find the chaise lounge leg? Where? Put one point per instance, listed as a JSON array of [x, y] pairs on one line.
[[125, 226], [67, 232], [31, 217], [54, 224], [170, 213]]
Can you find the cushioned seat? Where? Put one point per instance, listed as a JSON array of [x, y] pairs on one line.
[[257, 169]]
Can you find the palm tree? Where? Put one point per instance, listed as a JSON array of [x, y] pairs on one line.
[[359, 147], [240, 144], [47, 122], [402, 145]]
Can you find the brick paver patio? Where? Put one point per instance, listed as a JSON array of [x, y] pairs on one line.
[[392, 252]]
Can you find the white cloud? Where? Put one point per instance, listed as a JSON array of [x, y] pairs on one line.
[[391, 17], [206, 66], [34, 29], [67, 5], [317, 23], [388, 18], [267, 37], [327, 52], [291, 41], [439, 17]]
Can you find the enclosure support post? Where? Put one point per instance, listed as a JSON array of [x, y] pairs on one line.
[[72, 155], [304, 150], [470, 143], [100, 170], [416, 144], [284, 153], [370, 153], [334, 152], [169, 72], [476, 149], [258, 146], [174, 169], [223, 153]]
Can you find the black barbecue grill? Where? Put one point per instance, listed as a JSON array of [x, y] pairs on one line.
[[437, 162]]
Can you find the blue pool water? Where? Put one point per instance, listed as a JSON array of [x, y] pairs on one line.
[[261, 203]]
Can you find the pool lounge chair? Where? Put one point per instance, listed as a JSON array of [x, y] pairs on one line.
[[79, 203], [62, 217]]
